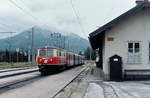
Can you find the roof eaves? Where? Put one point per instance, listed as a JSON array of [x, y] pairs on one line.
[[116, 20]]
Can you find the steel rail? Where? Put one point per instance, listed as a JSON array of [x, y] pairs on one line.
[[7, 87], [14, 84], [143, 83], [15, 69], [68, 83], [18, 73]]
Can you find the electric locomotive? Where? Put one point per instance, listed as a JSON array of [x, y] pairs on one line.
[[50, 59]]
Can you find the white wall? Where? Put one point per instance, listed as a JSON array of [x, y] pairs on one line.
[[135, 28]]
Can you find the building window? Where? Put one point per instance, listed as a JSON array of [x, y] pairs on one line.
[[130, 47], [134, 53]]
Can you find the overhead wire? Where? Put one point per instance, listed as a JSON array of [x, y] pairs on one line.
[[28, 13], [4, 26], [32, 12], [38, 20], [107, 15], [77, 17]]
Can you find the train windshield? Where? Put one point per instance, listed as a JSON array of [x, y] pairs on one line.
[[45, 53]]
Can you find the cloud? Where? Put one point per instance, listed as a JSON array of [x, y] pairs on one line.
[[59, 14]]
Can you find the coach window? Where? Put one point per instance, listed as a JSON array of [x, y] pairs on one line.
[[59, 53], [149, 52], [62, 54], [49, 53]]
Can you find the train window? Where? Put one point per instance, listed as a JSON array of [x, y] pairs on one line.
[[42, 53], [149, 52], [49, 53], [45, 53], [59, 53]]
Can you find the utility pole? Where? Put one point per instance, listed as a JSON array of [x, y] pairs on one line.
[[68, 45], [29, 47], [17, 50], [32, 46], [90, 53], [56, 37], [64, 42]]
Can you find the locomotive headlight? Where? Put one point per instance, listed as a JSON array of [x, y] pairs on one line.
[[45, 61], [51, 60], [40, 60]]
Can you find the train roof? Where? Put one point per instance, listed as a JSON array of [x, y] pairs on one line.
[[50, 47], [75, 54]]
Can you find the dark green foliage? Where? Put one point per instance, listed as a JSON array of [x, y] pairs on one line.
[[7, 56], [90, 54]]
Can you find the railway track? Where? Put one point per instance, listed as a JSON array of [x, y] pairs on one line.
[[146, 83], [12, 77], [10, 73], [78, 77], [18, 83], [21, 81], [15, 69]]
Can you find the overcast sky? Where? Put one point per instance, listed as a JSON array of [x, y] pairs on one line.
[[59, 14]]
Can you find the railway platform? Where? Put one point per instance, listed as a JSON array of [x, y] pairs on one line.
[[92, 85], [85, 86]]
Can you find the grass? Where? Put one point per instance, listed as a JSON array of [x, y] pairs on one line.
[[16, 65]]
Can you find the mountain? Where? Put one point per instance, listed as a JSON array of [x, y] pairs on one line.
[[72, 42]]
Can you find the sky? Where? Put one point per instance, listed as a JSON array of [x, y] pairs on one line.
[[81, 16]]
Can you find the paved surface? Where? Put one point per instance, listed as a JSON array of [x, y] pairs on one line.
[[81, 86], [88, 85], [45, 87], [127, 90], [92, 86]]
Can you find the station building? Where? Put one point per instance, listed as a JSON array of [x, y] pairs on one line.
[[127, 36]]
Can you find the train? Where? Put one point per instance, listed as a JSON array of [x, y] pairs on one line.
[[52, 58]]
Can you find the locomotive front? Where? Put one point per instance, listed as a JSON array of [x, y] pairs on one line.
[[50, 59]]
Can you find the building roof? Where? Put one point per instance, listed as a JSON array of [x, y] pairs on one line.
[[94, 36]]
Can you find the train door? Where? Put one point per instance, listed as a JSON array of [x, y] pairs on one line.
[[67, 58], [74, 59]]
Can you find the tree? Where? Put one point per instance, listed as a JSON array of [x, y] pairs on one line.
[[90, 54], [7, 55], [81, 53]]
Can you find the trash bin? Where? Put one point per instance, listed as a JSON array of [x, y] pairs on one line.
[[115, 68]]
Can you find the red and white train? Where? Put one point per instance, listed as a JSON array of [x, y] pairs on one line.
[[49, 59]]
